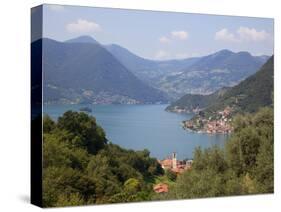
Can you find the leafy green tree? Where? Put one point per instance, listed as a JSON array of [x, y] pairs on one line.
[[72, 199], [171, 175], [211, 158], [84, 127], [248, 184], [132, 185], [62, 181], [264, 172], [242, 150], [80, 167], [48, 124], [199, 161], [106, 182]]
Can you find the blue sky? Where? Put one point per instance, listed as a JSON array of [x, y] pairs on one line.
[[160, 35]]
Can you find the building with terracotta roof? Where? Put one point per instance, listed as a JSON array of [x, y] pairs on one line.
[[161, 188], [177, 166]]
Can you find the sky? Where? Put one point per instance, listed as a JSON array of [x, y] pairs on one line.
[[160, 35]]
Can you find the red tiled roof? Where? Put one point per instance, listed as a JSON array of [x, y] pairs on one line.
[[161, 188]]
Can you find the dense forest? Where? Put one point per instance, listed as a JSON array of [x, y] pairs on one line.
[[81, 167]]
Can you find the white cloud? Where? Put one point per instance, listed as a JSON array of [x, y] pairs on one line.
[[225, 35], [161, 54], [164, 39], [251, 34], [243, 34], [182, 35], [55, 7], [174, 35], [83, 26]]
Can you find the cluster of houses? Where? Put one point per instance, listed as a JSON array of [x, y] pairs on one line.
[[219, 124], [177, 166]]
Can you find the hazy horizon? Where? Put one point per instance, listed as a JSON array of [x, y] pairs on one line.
[[155, 58], [160, 35]]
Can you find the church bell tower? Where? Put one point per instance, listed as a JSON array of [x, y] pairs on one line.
[[174, 160]]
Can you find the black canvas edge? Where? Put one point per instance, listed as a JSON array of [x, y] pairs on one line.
[[36, 189]]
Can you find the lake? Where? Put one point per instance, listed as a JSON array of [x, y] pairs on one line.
[[145, 126]]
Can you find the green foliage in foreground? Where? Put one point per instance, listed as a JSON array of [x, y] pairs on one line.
[[243, 166], [80, 167]]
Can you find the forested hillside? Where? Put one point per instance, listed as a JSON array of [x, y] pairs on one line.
[[81, 167], [195, 102], [85, 72], [254, 92], [248, 96]]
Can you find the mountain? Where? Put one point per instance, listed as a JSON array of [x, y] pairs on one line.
[[248, 96], [195, 102], [210, 73], [198, 75], [175, 78], [83, 71], [82, 39], [148, 70]]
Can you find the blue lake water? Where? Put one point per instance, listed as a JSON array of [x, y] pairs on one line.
[[145, 126]]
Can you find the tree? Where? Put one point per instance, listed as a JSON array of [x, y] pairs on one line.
[[132, 186], [85, 129], [80, 167], [171, 175], [48, 124], [264, 172]]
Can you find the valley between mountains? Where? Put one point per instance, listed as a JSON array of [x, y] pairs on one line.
[[83, 71]]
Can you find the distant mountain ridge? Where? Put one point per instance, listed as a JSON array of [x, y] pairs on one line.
[[146, 69], [82, 39], [248, 96], [198, 75], [252, 93], [159, 80], [212, 72], [79, 71]]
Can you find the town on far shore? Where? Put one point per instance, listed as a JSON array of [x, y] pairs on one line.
[[218, 123]]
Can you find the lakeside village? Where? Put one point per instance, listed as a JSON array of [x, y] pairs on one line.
[[218, 123], [177, 166]]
